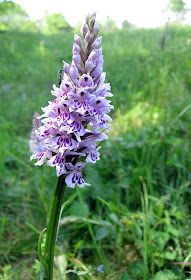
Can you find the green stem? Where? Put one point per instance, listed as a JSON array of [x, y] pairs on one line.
[[42, 191], [144, 200], [53, 228]]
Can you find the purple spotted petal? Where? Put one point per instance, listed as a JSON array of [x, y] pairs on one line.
[[93, 156], [42, 156], [86, 81]]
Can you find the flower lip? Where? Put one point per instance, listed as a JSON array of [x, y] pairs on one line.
[[83, 94], [66, 86], [86, 81]]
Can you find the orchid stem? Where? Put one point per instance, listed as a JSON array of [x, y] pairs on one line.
[[53, 228]]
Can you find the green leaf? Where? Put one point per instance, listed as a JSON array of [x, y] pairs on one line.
[[161, 276], [114, 218], [161, 237], [101, 233], [166, 275], [79, 209], [159, 208], [126, 276], [39, 248], [114, 233], [173, 230], [61, 210], [75, 219], [32, 227], [169, 255], [136, 269], [139, 232], [2, 227], [78, 245]]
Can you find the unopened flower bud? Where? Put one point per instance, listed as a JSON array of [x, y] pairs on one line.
[[84, 29], [78, 40], [97, 43], [93, 15], [76, 58], [97, 72], [92, 21], [76, 48], [99, 51], [100, 60], [87, 18], [102, 78], [89, 65], [88, 37], [66, 67], [73, 72], [96, 29], [79, 67], [93, 55]]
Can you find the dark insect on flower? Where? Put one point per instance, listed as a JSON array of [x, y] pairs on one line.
[[60, 76]]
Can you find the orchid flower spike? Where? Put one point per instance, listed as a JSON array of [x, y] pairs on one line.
[[73, 125]]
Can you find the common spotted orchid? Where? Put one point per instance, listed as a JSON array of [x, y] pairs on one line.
[[73, 125]]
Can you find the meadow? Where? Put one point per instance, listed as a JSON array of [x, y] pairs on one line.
[[135, 217]]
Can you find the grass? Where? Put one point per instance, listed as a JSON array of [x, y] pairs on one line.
[[136, 215]]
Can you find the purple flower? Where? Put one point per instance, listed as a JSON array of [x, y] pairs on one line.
[[42, 156], [93, 156], [86, 81], [100, 268], [76, 176], [73, 125], [35, 145], [65, 87]]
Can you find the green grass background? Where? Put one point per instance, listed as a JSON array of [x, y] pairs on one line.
[[135, 218]]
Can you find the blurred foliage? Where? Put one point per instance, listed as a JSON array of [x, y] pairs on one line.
[[126, 25], [177, 7], [12, 16], [108, 25], [55, 23]]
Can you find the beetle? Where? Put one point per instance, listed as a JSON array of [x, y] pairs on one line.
[[60, 76]]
